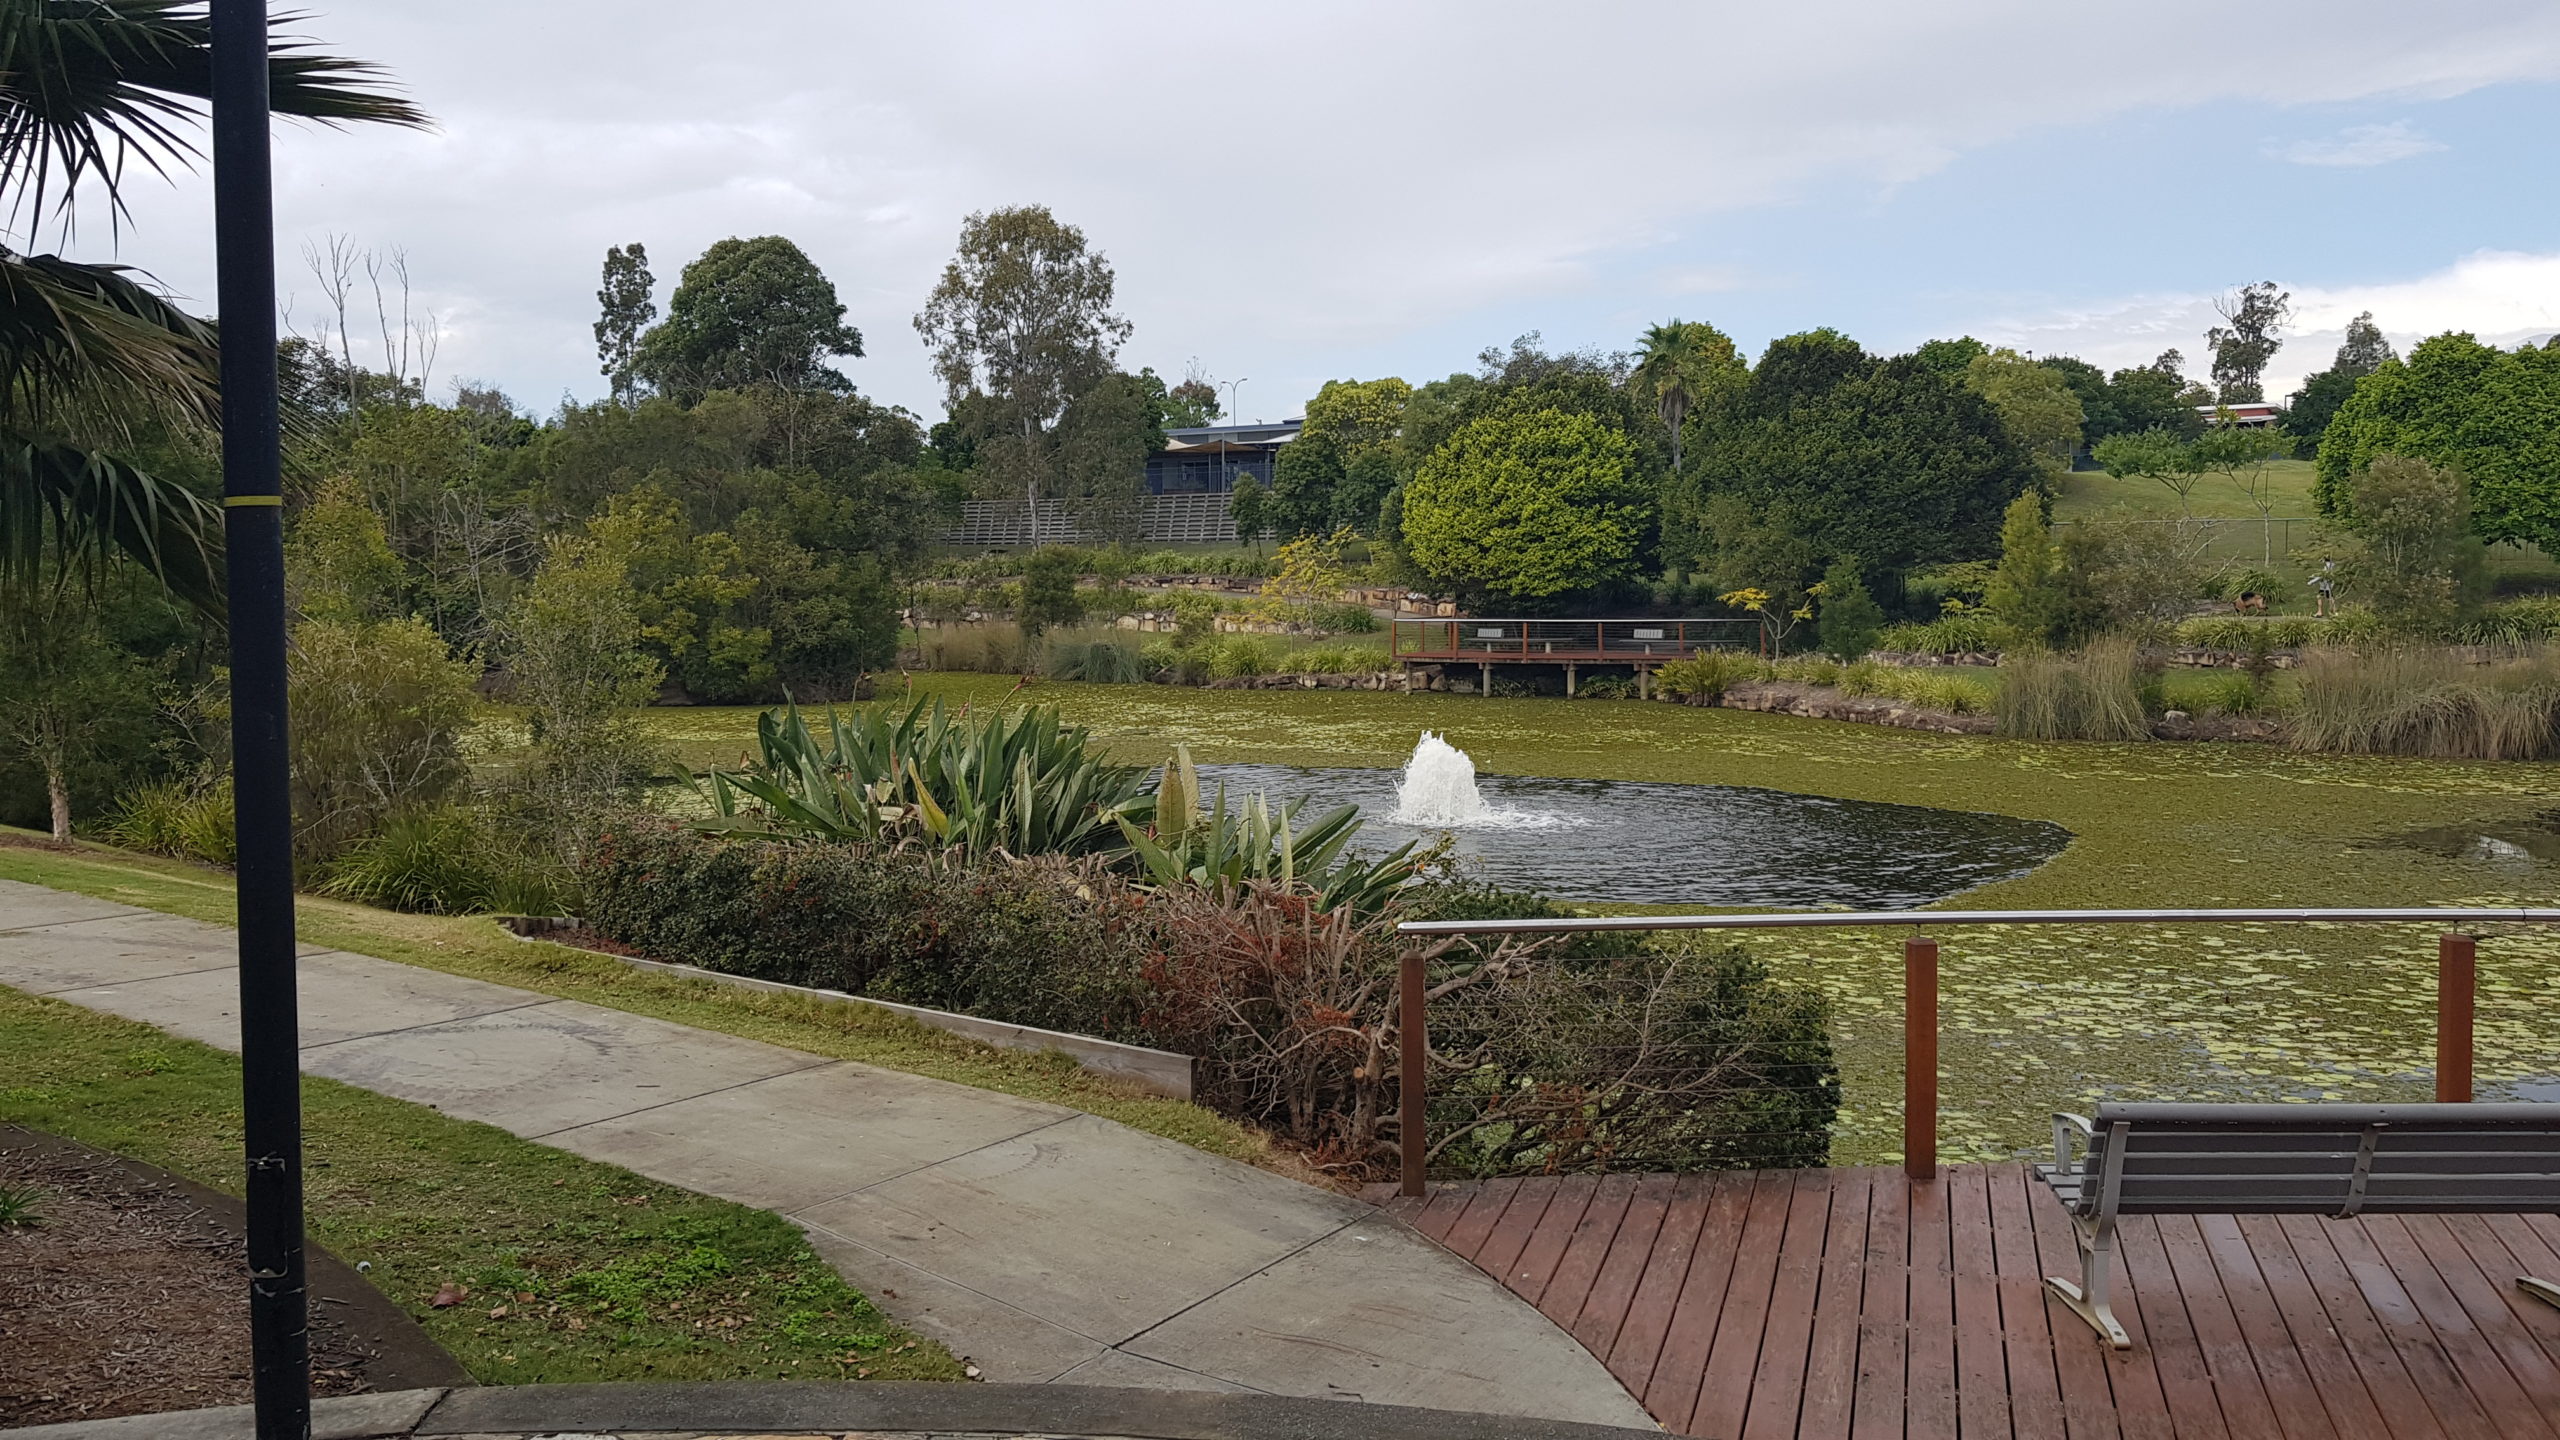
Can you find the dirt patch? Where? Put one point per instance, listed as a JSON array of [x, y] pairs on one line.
[[129, 1296]]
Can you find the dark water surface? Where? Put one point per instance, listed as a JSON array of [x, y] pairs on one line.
[[1722, 845]]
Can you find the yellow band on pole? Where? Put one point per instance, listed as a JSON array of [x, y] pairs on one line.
[[235, 501]]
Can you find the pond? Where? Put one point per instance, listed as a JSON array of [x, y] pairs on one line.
[[1648, 843]]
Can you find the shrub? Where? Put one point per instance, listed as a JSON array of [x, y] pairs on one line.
[[1928, 689], [1807, 670], [1705, 676], [2397, 700], [992, 647], [2093, 695], [1231, 657], [441, 860], [1606, 687], [1338, 660], [1043, 942], [2234, 695], [2526, 621], [1965, 633], [377, 715], [1096, 659], [1048, 596], [188, 819], [1849, 619]]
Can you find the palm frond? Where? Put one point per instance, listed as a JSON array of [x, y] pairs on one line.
[[85, 84], [67, 505], [71, 332]]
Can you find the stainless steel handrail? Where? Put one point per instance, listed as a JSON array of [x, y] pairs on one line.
[[1852, 919]]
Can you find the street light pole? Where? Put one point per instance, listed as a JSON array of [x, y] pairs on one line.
[[253, 546], [1235, 393]]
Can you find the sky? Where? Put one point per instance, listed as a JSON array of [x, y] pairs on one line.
[[1296, 192]]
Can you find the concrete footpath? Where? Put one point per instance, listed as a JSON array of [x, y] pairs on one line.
[[1044, 1243]]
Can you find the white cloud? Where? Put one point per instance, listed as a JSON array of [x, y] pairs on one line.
[[2502, 297], [1281, 183], [2358, 145]]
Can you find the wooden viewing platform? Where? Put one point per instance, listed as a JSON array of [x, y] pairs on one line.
[[1853, 1303], [1573, 644]]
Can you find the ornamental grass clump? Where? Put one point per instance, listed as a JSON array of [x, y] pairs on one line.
[[2093, 695], [2398, 700], [1703, 678]]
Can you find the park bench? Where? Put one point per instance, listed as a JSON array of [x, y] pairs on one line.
[[2336, 1160]]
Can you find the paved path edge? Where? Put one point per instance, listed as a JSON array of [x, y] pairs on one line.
[[802, 1406]]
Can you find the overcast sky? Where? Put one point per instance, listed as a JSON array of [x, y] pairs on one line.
[[1292, 192]]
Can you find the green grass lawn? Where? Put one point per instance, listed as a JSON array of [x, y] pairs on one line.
[[575, 1271], [2037, 1019], [2087, 494], [476, 947]]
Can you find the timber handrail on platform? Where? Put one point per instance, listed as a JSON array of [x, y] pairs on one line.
[[2456, 988]]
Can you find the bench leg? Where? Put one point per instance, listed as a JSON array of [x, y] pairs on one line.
[[2539, 1289], [2088, 1296]]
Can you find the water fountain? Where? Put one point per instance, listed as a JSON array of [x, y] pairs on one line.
[[1664, 843]]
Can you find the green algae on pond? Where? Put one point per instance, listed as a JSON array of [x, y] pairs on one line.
[[2036, 1019]]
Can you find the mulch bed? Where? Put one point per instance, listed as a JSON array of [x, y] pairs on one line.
[[130, 1296]]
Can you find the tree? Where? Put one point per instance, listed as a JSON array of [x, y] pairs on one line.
[[2156, 396], [2417, 556], [1682, 364], [2242, 454], [1344, 460], [1247, 506], [627, 310], [2492, 415], [1528, 507], [2026, 591], [1760, 558], [2154, 455], [2099, 417], [2246, 340], [1193, 403], [749, 313], [2035, 404], [2312, 407], [91, 358], [1951, 358], [1887, 460], [65, 687], [1049, 590], [1022, 315], [1849, 619]]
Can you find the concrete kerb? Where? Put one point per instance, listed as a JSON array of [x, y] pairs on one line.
[[806, 1407]]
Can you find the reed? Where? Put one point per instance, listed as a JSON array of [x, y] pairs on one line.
[[2400, 700], [2095, 694]]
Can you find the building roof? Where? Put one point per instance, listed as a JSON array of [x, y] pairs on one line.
[[1213, 437]]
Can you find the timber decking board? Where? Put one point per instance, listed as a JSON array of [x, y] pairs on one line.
[[1855, 1305]]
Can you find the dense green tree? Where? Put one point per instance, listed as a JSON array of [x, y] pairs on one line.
[[1887, 460], [1682, 365], [1249, 506], [1528, 506], [1021, 316], [2249, 336], [1193, 403], [2099, 417], [2026, 591], [2311, 408], [1759, 549], [627, 309], [2490, 414], [90, 355], [1849, 618], [1344, 461], [1951, 358], [2035, 404], [1049, 596], [749, 313], [2417, 559], [2157, 396], [69, 693]]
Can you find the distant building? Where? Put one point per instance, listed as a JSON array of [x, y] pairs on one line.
[[1210, 459], [2248, 415]]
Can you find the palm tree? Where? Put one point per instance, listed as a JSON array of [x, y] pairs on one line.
[[1681, 363], [90, 355]]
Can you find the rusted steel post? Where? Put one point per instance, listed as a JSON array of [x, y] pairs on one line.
[[1920, 1059], [1412, 1128], [2457, 978]]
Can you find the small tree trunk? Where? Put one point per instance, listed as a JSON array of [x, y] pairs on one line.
[[59, 794]]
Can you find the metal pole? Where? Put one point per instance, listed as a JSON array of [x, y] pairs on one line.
[[1920, 1059], [253, 533], [1413, 1125], [2457, 976]]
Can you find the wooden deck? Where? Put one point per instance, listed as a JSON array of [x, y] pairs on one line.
[[1853, 1304]]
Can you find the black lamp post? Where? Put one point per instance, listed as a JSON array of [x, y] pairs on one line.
[[253, 534]]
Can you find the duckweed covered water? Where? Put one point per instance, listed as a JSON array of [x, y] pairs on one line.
[[2036, 1019]]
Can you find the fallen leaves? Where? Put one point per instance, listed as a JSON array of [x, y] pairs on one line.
[[449, 1295]]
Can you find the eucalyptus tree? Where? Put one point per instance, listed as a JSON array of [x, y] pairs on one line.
[[626, 310], [1023, 316], [92, 357]]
